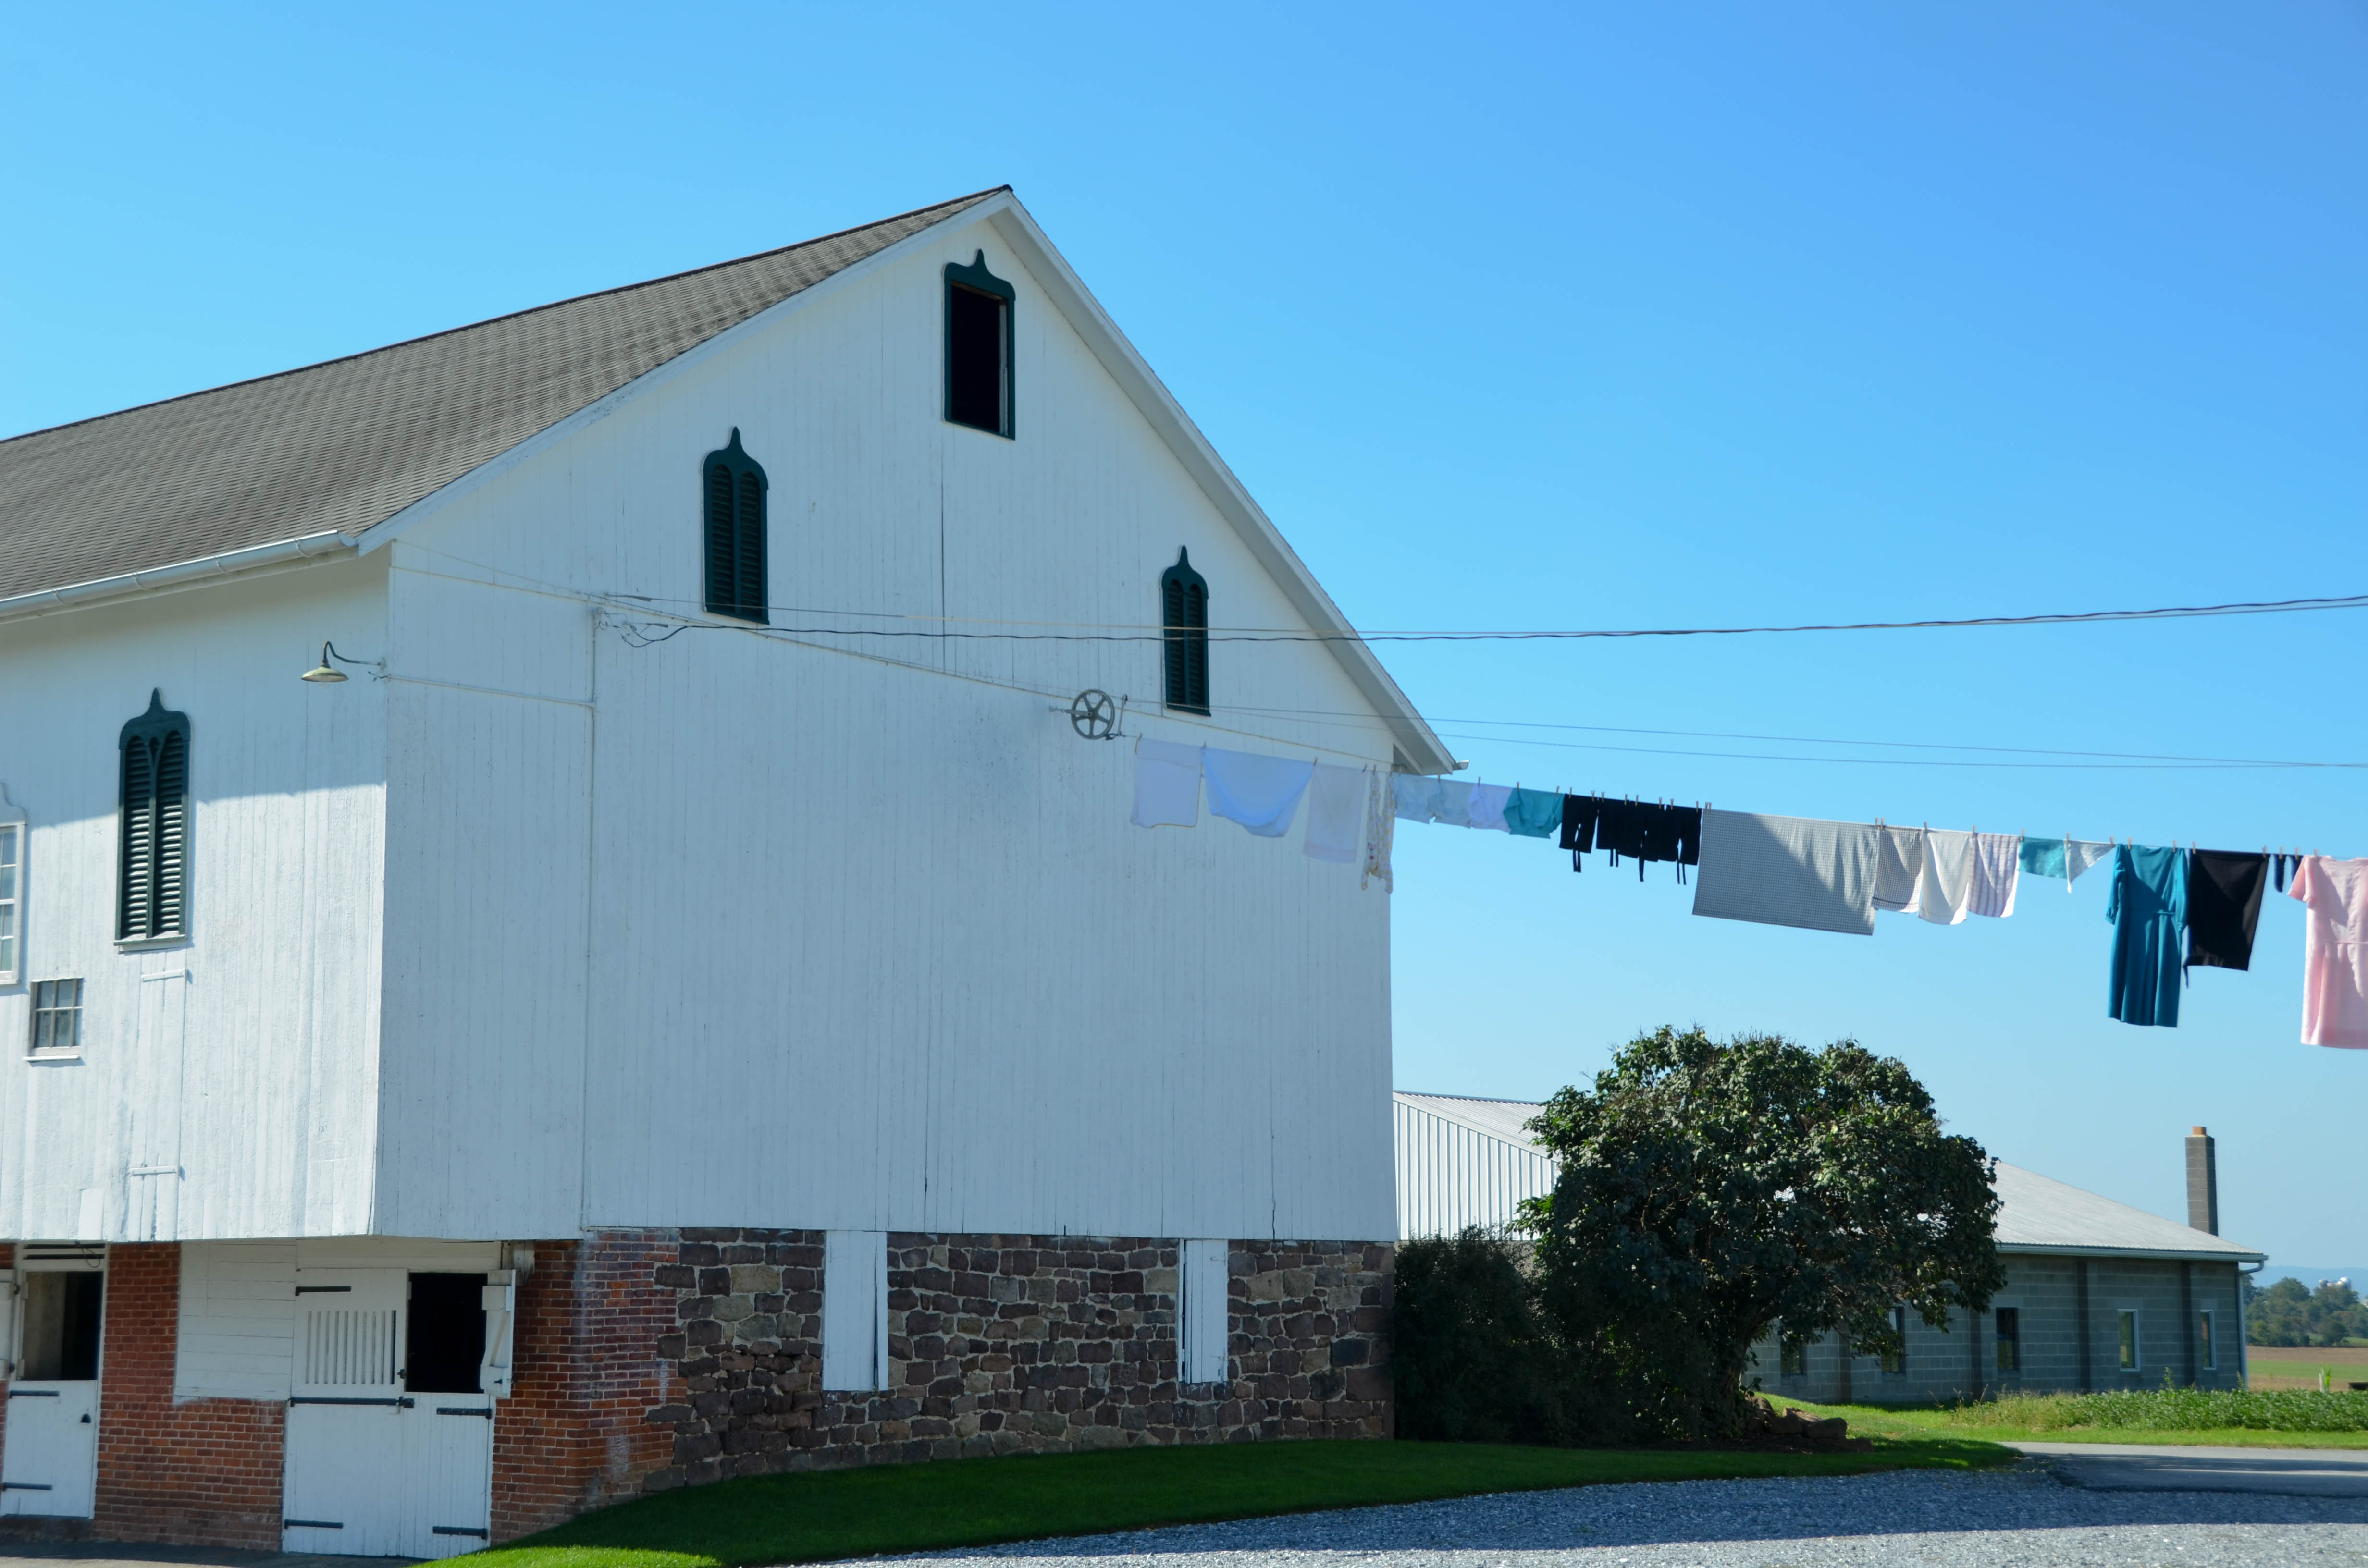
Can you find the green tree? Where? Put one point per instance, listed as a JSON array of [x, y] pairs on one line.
[[1709, 1191], [2290, 1312]]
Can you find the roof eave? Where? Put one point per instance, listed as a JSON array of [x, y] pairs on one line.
[[2163, 1254], [180, 575]]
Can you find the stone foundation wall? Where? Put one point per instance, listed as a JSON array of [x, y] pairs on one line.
[[1006, 1344]]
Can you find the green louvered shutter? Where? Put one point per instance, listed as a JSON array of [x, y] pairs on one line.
[[1184, 613], [153, 862], [735, 533]]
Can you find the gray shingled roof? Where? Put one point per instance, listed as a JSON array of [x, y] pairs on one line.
[[2037, 1213], [338, 447]]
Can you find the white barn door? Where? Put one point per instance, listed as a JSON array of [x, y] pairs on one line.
[[344, 1488], [49, 1453], [374, 1468]]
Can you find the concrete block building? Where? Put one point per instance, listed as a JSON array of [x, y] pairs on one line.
[[2098, 1294]]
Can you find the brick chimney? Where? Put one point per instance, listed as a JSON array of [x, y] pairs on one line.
[[2202, 1184]]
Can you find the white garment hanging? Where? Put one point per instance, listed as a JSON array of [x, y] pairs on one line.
[[1260, 793], [2080, 853], [1167, 784], [1336, 814], [1380, 830], [1488, 805], [1451, 801], [1947, 876], [1414, 795], [1899, 868]]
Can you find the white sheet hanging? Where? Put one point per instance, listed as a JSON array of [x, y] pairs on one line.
[[1260, 793]]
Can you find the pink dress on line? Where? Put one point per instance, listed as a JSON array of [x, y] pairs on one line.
[[2335, 953]]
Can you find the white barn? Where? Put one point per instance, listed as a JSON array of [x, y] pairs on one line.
[[689, 1003]]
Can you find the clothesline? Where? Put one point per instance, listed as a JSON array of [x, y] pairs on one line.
[[2172, 907]]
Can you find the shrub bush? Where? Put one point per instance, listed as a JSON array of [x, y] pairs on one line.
[[1473, 1360]]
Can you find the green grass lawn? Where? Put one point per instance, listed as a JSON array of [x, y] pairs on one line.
[[853, 1513], [2020, 1422]]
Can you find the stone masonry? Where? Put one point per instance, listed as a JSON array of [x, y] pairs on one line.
[[1006, 1344]]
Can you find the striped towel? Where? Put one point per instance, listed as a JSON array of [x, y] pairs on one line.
[[1788, 871], [1998, 867]]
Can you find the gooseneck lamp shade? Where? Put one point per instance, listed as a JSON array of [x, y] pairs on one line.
[[324, 672]]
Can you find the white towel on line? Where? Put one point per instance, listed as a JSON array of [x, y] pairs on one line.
[[1947, 876], [1488, 805], [1167, 784], [1898, 868], [1336, 814]]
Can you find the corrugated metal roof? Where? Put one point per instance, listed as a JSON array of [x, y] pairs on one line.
[[1498, 1119], [2035, 1212], [336, 448]]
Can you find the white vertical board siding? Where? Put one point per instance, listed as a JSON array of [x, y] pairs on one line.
[[225, 1085], [1452, 1177], [854, 1310], [874, 947], [488, 880]]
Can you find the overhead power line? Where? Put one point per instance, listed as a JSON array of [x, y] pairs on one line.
[[944, 628]]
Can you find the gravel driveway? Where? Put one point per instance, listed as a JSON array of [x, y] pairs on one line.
[[2026, 1516]]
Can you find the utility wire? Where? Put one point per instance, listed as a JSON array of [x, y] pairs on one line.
[[1128, 632]]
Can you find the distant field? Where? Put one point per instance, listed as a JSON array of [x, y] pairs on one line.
[[2296, 1367], [2331, 1356]]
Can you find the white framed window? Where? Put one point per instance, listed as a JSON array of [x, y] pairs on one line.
[[2127, 1350], [2207, 1350], [57, 1018], [12, 892], [854, 1310]]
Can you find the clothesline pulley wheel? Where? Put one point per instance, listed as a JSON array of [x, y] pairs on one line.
[[1094, 714]]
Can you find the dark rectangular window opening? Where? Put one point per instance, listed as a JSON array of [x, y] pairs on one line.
[[977, 378], [61, 1317], [1895, 1360], [2010, 1338], [1792, 1356], [445, 1342]]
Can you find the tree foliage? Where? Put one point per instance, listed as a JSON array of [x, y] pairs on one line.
[[1710, 1191], [2288, 1312]]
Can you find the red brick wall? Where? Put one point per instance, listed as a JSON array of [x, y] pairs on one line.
[[575, 1433], [204, 1472]]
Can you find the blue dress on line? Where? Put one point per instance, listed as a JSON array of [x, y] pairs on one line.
[[2148, 910]]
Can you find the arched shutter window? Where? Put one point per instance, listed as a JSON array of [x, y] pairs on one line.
[[153, 866], [1184, 611], [978, 347], [736, 485]]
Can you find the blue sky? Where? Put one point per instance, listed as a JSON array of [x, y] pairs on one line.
[[1527, 318]]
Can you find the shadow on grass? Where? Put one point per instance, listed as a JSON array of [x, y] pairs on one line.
[[920, 1508]]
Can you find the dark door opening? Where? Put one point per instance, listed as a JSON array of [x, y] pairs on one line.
[[446, 1341], [61, 1317]]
